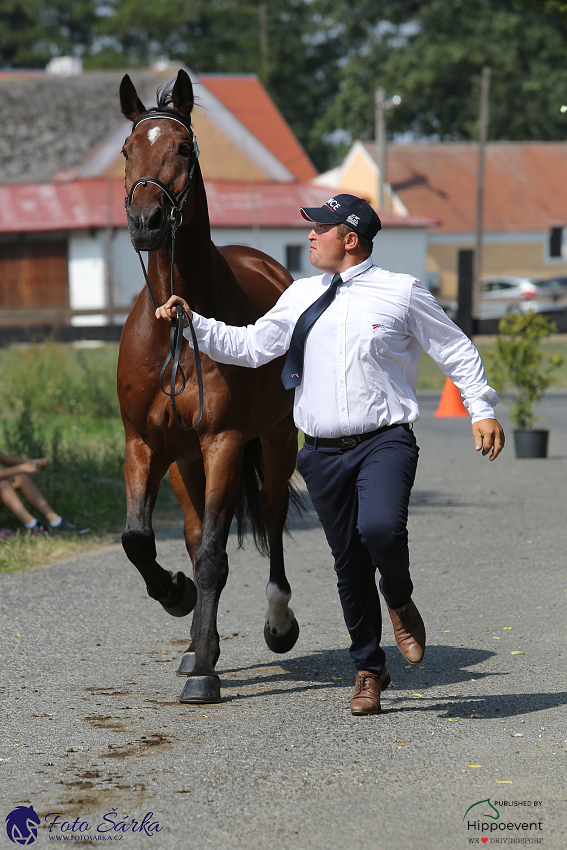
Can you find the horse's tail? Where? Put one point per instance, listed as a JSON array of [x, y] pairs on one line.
[[249, 502]]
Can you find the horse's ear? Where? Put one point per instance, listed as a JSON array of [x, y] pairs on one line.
[[131, 105], [182, 94]]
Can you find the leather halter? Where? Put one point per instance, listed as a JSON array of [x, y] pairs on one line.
[[175, 220], [176, 201]]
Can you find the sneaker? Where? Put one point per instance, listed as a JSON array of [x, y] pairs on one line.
[[5, 532], [67, 525], [39, 530]]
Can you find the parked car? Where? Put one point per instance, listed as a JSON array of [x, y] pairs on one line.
[[556, 286], [508, 294]]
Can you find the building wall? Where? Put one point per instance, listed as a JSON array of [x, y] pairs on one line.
[[396, 249], [87, 275], [522, 254]]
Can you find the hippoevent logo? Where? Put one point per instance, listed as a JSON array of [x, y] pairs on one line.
[[483, 821], [22, 824]]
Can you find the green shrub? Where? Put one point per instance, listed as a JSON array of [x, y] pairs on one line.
[[518, 362]]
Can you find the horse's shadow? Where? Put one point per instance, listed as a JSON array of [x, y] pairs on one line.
[[443, 665]]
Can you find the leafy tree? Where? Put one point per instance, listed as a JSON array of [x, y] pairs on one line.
[[32, 31], [433, 58]]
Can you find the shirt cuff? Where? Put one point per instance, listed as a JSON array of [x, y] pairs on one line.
[[199, 324], [482, 408]]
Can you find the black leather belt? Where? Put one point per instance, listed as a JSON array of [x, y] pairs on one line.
[[352, 441]]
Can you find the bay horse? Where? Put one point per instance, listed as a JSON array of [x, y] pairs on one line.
[[240, 458]]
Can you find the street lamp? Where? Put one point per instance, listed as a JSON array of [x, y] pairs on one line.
[[381, 106]]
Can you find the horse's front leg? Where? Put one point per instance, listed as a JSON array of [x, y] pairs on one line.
[[223, 462], [143, 471]]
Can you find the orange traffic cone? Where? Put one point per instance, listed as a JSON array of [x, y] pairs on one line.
[[451, 403]]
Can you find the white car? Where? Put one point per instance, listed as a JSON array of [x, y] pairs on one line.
[[501, 295]]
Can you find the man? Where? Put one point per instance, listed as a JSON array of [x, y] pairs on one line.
[[353, 359]]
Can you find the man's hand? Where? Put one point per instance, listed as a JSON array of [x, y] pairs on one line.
[[168, 310], [488, 435]]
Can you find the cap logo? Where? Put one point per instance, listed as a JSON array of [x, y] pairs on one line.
[[353, 219], [334, 205]]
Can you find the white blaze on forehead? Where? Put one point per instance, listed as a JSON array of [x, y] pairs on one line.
[[154, 134]]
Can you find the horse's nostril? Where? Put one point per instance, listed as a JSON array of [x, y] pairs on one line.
[[133, 219], [155, 219]]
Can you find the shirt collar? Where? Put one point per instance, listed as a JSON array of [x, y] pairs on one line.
[[351, 272]]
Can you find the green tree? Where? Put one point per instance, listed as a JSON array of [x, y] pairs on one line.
[[431, 53], [32, 31]]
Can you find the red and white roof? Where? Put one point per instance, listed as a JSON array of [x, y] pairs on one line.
[[99, 203]]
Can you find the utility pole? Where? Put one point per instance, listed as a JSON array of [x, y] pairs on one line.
[[381, 106], [264, 40], [483, 136]]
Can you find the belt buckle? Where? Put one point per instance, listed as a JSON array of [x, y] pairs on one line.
[[350, 442]]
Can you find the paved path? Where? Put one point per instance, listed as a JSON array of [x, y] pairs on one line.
[[91, 722]]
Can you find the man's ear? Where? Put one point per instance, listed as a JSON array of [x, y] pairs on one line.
[[351, 241]]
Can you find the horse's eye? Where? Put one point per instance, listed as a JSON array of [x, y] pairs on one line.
[[124, 154], [185, 149]]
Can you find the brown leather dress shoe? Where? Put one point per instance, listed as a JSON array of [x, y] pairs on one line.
[[366, 696], [409, 631]]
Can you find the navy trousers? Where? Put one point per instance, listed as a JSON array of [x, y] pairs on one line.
[[362, 496]]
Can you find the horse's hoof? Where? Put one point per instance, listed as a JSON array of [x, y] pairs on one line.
[[282, 643], [187, 597], [201, 689], [187, 664]]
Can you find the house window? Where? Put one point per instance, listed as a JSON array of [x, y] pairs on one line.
[[293, 257], [556, 242]]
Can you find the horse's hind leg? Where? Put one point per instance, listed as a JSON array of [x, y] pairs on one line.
[[279, 447], [143, 471]]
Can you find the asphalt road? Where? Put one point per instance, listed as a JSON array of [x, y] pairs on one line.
[[91, 724]]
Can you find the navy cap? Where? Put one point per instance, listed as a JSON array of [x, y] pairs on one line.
[[346, 209]]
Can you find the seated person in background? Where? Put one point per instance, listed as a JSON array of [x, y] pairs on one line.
[[16, 477]]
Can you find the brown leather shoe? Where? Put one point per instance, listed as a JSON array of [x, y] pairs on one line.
[[366, 696], [409, 631]]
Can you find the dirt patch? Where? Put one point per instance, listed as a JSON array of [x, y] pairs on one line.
[[141, 747], [110, 692], [107, 722]]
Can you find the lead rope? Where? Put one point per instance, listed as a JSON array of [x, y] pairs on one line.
[[176, 341]]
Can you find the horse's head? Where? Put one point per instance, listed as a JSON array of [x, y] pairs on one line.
[[161, 148]]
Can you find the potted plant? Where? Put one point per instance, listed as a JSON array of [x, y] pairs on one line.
[[518, 362]]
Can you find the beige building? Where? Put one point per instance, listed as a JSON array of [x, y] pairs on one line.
[[525, 213]]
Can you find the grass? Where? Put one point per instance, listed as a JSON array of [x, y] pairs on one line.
[[60, 401]]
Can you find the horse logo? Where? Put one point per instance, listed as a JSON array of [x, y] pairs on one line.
[[22, 824], [484, 814]]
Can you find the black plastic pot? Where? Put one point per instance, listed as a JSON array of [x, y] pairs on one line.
[[531, 443]]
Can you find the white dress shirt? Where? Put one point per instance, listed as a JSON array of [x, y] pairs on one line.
[[361, 355]]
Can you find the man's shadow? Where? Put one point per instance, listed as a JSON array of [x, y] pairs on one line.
[[442, 665]]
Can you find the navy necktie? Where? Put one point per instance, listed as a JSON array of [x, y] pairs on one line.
[[293, 369]]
